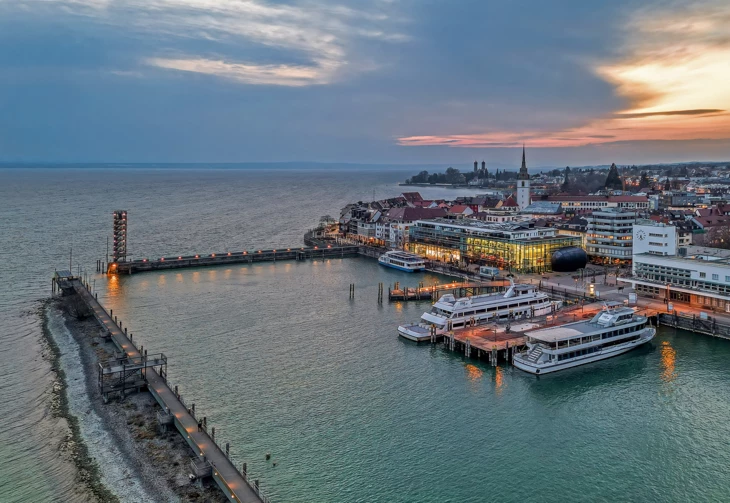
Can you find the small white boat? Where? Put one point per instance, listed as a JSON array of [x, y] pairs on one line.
[[613, 331], [403, 261], [518, 302]]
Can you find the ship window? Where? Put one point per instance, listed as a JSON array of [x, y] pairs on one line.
[[480, 311]]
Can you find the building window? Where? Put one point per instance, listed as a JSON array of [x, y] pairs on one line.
[[703, 275], [715, 277]]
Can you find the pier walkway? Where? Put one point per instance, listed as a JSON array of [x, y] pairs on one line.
[[239, 257], [235, 484]]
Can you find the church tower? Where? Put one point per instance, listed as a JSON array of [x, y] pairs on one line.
[[523, 184]]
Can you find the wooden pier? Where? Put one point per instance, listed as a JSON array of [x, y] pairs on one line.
[[237, 257], [136, 369], [458, 289]]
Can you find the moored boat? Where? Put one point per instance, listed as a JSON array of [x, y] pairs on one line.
[[403, 261], [613, 331], [520, 301]]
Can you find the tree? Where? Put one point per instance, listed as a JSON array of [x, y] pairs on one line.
[[613, 180], [421, 177], [566, 182], [452, 175], [644, 181]]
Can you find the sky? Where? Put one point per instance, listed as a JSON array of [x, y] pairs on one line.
[[365, 81]]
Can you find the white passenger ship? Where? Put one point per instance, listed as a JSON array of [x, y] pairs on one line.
[[520, 301], [404, 261], [613, 331]]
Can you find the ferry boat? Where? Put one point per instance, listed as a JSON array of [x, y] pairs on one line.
[[404, 261], [613, 331], [519, 301]]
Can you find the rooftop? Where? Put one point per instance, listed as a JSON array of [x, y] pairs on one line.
[[615, 199], [472, 224], [579, 328]]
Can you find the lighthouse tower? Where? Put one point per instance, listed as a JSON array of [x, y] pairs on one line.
[[523, 184]]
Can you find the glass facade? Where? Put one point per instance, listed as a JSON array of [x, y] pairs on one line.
[[522, 251]]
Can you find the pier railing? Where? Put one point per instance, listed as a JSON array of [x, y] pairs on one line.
[[693, 323]]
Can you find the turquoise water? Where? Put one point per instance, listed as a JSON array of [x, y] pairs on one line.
[[282, 361]]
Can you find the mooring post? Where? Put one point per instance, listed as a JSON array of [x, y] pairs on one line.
[[177, 394], [228, 449], [212, 433], [243, 470]]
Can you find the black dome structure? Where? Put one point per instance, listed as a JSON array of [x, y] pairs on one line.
[[568, 259]]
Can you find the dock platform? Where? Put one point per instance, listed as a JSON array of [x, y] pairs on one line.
[[235, 484], [458, 289]]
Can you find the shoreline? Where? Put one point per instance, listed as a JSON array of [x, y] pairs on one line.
[[88, 473], [120, 446]]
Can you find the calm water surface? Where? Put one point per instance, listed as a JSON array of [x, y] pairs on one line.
[[282, 361]]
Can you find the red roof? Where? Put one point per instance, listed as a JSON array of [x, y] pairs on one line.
[[509, 202], [412, 197], [714, 221], [459, 208]]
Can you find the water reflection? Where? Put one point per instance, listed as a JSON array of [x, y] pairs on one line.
[[499, 382], [669, 357], [112, 286], [614, 372], [473, 373]]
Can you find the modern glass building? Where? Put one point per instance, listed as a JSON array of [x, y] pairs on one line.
[[513, 246]]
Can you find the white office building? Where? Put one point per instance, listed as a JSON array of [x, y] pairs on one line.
[[702, 278], [654, 238], [609, 235]]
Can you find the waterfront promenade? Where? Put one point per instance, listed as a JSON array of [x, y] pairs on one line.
[[235, 484]]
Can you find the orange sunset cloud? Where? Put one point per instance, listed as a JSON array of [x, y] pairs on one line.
[[674, 76]]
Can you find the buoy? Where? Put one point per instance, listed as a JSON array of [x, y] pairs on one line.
[[274, 463], [268, 456]]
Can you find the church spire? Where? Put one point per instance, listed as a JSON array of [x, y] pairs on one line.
[[523, 175], [524, 164]]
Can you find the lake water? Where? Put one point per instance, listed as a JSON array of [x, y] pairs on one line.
[[283, 362]]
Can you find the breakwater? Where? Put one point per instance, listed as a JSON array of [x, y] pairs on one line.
[[134, 369]]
